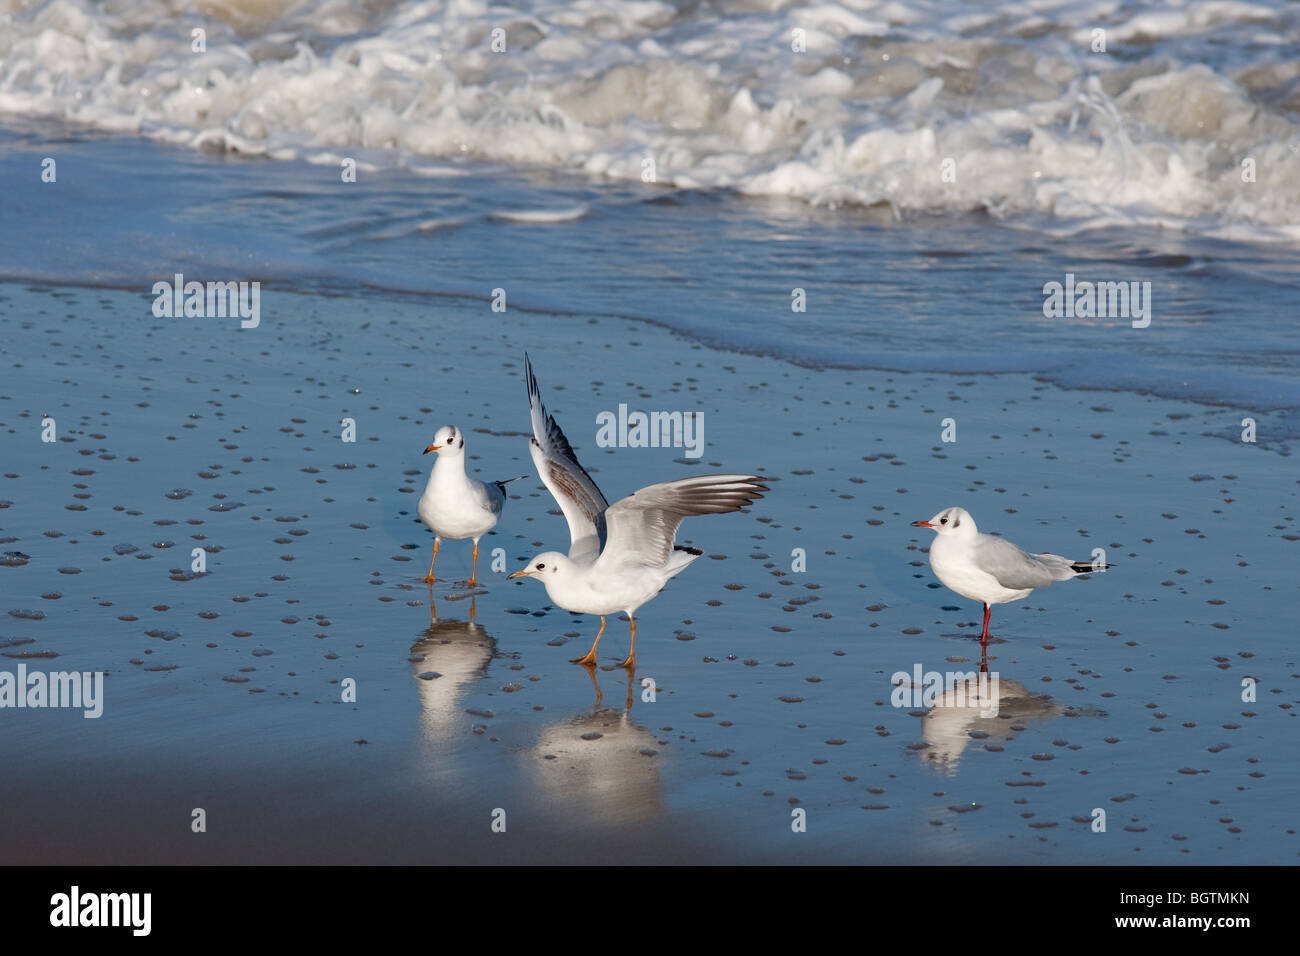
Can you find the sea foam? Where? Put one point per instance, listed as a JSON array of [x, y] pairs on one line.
[[1186, 121]]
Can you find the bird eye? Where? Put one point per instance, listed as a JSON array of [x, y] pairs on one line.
[[943, 521], [541, 567]]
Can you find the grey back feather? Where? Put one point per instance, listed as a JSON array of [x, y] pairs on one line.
[[1017, 569]]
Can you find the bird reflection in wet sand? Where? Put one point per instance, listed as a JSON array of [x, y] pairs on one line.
[[601, 763], [958, 719], [450, 655]]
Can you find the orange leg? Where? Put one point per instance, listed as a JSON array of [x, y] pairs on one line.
[[630, 663], [590, 657], [429, 578], [473, 573]]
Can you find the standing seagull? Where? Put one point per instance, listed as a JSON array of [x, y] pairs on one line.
[[454, 505], [620, 555], [988, 569]]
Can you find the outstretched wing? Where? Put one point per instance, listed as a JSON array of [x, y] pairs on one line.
[[1016, 569], [640, 528], [566, 480]]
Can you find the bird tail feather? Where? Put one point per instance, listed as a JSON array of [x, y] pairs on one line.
[[1087, 567]]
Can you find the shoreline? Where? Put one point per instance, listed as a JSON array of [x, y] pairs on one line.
[[1280, 412]]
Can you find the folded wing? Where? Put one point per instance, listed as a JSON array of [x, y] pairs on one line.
[[1016, 569]]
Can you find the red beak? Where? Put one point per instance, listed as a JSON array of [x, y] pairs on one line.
[[922, 524]]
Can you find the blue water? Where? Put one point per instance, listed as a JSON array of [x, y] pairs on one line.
[[959, 293], [409, 262], [782, 181]]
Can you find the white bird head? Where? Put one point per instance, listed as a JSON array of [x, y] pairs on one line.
[[547, 567], [448, 440], [954, 521]]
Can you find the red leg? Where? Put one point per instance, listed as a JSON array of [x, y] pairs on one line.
[[984, 638]]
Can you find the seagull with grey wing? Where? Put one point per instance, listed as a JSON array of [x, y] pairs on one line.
[[989, 569], [454, 505], [620, 555]]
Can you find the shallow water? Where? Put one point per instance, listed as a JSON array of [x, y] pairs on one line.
[[774, 659], [963, 294], [773, 686]]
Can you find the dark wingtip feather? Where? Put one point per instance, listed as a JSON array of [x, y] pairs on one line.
[[530, 380], [553, 431], [554, 434]]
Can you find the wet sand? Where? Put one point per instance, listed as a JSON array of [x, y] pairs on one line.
[[1121, 691]]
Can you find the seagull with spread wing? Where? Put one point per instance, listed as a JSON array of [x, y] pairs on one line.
[[620, 555]]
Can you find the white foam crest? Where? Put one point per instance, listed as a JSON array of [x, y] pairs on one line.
[[540, 215], [1000, 106]]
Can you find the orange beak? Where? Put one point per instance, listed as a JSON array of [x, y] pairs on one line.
[[922, 524], [521, 573], [432, 448]]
